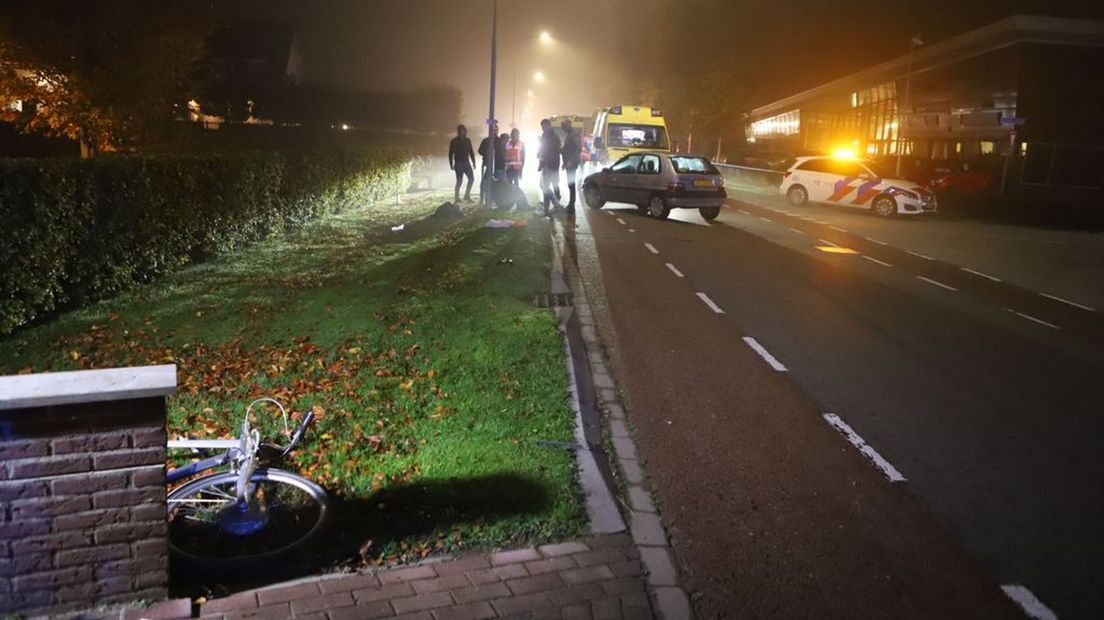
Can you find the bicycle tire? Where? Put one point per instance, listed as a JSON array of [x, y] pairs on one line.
[[198, 543]]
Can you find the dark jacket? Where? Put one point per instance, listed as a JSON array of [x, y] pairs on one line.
[[461, 154], [499, 154], [572, 150], [549, 153]]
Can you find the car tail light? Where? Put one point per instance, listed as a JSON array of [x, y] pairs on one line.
[[675, 186]]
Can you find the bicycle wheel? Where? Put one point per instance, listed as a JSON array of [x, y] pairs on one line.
[[208, 529]]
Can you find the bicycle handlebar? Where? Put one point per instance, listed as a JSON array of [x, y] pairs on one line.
[[297, 436]]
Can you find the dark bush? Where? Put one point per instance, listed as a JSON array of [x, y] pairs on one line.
[[75, 231]]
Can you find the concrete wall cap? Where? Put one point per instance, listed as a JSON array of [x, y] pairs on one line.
[[86, 386]]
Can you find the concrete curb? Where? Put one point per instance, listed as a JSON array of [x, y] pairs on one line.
[[669, 599]]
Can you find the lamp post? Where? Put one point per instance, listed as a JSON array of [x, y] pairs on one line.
[[907, 103], [490, 157]]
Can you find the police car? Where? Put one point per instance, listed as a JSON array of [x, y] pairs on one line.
[[853, 183]]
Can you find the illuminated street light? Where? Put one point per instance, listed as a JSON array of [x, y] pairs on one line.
[[545, 37], [538, 76]]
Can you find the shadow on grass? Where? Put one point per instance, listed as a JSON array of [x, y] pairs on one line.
[[404, 513]]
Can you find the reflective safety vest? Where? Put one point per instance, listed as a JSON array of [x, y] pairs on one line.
[[515, 151]]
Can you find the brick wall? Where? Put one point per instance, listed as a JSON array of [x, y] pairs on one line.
[[82, 505]]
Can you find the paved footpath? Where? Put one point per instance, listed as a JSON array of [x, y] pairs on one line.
[[598, 577]]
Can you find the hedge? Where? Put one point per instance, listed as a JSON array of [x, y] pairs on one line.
[[73, 232]]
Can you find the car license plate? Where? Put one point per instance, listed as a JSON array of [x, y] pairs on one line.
[[703, 183]]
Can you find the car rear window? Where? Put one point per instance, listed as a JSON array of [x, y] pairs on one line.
[[622, 135], [692, 165]]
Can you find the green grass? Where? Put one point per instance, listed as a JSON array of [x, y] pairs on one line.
[[432, 373]]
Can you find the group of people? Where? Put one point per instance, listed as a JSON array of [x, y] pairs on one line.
[[509, 161]]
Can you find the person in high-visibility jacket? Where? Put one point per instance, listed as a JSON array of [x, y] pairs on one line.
[[515, 157]]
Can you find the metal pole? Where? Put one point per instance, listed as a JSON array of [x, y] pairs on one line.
[[901, 115], [491, 115]]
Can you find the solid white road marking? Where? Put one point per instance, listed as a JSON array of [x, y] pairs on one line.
[[651, 248], [621, 221], [978, 273], [765, 219], [1066, 301], [937, 283], [1032, 606], [874, 260], [923, 256], [763, 353], [843, 230], [827, 242], [876, 241], [709, 302], [1031, 318], [675, 270], [888, 469], [796, 231]]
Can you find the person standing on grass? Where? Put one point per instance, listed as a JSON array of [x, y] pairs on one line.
[[515, 158], [462, 160], [548, 158], [572, 156]]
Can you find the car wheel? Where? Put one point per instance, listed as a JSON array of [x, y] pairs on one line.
[[797, 195], [593, 197], [884, 206], [709, 213], [658, 208]]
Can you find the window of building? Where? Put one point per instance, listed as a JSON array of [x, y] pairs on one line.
[[958, 148], [987, 147]]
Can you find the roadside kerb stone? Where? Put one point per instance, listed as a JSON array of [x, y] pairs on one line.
[[632, 471], [640, 499], [672, 604], [660, 566], [567, 548], [645, 524]]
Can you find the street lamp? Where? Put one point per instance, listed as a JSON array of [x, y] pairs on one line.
[[538, 77]]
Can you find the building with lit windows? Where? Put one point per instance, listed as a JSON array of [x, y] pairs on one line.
[[1026, 89]]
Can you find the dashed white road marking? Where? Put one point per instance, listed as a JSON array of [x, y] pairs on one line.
[[1033, 319], [709, 302], [874, 260], [887, 468], [1026, 599], [820, 221], [796, 230], [651, 248], [842, 230], [980, 274], [827, 242], [674, 270], [763, 353], [878, 241], [621, 222], [765, 219], [743, 211], [923, 256], [937, 283], [1068, 302]]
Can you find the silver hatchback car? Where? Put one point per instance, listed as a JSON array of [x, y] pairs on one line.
[[657, 182]]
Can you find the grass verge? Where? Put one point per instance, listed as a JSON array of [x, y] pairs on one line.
[[432, 375]]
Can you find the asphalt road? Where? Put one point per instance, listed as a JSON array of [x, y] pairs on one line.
[[983, 395]]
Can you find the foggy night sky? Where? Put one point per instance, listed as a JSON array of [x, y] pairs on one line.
[[604, 47]]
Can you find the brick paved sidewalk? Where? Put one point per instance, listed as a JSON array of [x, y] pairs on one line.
[[598, 577]]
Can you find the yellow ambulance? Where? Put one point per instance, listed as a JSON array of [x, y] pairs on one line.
[[622, 129]]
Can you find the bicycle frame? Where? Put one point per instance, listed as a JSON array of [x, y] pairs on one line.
[[240, 454]]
